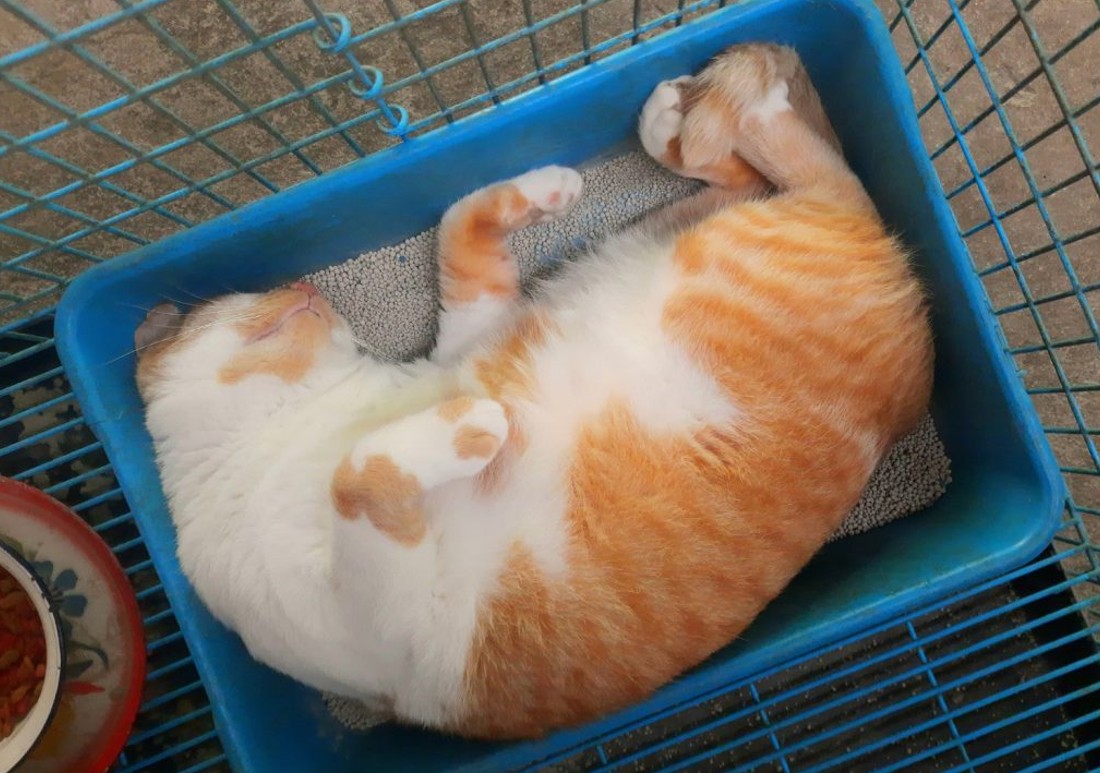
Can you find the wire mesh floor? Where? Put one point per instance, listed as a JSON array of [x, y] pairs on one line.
[[122, 122]]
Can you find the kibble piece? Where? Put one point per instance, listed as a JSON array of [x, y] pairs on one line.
[[22, 654]]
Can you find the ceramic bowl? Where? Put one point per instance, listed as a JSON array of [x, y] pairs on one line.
[[97, 668]]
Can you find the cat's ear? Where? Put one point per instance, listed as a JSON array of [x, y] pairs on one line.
[[163, 322]]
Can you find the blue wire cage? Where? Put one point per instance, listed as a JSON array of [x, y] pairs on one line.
[[124, 122]]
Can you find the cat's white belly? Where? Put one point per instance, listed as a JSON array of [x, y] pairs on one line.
[[609, 346], [402, 625], [255, 537], [613, 346]]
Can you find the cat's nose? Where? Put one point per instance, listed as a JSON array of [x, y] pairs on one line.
[[305, 287]]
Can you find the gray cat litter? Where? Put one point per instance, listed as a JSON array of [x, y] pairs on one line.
[[910, 478], [389, 297], [351, 713]]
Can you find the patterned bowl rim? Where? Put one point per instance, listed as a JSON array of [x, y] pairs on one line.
[[69, 526]]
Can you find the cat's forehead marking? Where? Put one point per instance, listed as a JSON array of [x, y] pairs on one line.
[[290, 366], [292, 358]]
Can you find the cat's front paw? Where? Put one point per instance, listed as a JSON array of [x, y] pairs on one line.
[[550, 192], [662, 119], [478, 429]]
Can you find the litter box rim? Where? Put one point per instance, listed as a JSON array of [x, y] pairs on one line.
[[83, 292]]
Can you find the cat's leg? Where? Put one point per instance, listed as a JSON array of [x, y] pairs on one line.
[[756, 102], [660, 128], [384, 477], [731, 179], [478, 275], [682, 214]]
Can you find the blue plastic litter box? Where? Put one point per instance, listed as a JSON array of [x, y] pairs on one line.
[[1001, 509]]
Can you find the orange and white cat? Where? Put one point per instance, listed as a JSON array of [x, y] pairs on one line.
[[577, 496]]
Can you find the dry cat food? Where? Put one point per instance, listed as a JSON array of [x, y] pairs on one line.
[[22, 654]]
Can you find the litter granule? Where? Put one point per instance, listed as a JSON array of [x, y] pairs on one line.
[[352, 714], [389, 296], [912, 476]]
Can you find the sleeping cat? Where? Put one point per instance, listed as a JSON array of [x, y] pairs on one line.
[[578, 496]]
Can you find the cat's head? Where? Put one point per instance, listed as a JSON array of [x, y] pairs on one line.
[[257, 350]]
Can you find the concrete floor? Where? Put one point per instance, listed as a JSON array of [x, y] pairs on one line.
[[141, 51], [170, 39], [1057, 162]]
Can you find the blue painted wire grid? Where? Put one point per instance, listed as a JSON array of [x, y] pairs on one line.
[[98, 156]]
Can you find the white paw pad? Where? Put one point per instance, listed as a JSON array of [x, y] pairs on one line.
[[662, 117], [552, 191]]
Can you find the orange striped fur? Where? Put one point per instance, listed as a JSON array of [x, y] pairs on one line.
[[473, 257], [655, 553], [506, 377], [677, 541]]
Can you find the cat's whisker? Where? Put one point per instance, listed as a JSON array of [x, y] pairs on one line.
[[199, 298], [179, 302], [129, 352], [194, 311], [229, 290]]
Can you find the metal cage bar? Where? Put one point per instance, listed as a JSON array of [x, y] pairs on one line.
[[1004, 675]]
